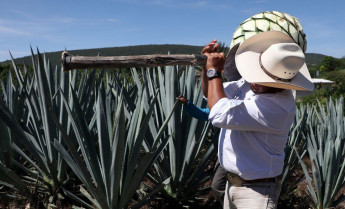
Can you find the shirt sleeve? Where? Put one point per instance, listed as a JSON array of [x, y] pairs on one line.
[[248, 115], [197, 112]]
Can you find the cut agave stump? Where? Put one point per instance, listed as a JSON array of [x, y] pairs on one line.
[[70, 62]]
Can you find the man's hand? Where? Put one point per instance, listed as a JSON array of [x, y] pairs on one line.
[[215, 60], [210, 47], [182, 99]]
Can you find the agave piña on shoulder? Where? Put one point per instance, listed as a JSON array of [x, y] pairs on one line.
[[267, 21]]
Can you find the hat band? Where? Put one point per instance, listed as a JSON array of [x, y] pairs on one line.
[[270, 74]]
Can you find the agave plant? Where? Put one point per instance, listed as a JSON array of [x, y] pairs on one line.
[[14, 182], [55, 106], [8, 176], [325, 145], [295, 142], [193, 146], [109, 163], [11, 103], [6, 152], [5, 146], [32, 130]]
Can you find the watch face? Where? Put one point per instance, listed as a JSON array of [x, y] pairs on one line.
[[211, 73]]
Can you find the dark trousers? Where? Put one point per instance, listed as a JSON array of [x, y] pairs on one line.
[[219, 182]]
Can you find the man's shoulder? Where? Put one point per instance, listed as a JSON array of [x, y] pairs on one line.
[[237, 83], [235, 88]]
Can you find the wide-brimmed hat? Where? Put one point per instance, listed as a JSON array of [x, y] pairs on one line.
[[273, 59]]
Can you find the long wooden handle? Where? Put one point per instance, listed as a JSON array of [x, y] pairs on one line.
[[70, 62]]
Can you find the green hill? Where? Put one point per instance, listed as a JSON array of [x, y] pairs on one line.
[[313, 58], [55, 57]]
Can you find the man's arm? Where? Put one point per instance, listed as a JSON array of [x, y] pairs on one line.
[[197, 112], [204, 81], [193, 110], [215, 85], [209, 48]]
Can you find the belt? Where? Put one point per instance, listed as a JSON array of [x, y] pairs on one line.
[[237, 181]]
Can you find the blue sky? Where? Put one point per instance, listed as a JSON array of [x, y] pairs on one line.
[[55, 25]]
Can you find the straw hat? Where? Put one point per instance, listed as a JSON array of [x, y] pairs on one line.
[[273, 59]]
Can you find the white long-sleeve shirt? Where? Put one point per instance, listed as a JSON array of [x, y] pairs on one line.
[[254, 130]]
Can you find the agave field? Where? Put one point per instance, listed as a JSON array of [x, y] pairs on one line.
[[118, 139]]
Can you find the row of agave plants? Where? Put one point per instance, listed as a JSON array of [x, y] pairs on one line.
[[101, 139], [114, 139]]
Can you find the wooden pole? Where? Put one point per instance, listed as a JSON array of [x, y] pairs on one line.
[[70, 62]]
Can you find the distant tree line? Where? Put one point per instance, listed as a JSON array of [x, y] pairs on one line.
[[329, 64], [332, 69]]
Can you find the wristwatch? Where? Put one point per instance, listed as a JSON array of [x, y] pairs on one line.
[[212, 73]]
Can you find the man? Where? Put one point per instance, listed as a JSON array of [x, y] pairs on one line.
[[230, 74], [255, 114]]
